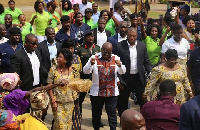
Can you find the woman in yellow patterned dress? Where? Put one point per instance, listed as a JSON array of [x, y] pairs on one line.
[[63, 97], [170, 70]]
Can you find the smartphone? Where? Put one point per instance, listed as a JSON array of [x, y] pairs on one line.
[[111, 9], [195, 30]]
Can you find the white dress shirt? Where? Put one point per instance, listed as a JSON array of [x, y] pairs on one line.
[[133, 58], [88, 68], [101, 38], [181, 48], [35, 67], [82, 7], [52, 50], [121, 38]]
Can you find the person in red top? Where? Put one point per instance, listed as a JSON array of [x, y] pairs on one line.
[[164, 113]]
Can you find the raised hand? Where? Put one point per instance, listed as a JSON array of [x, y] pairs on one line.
[[118, 63], [92, 61]]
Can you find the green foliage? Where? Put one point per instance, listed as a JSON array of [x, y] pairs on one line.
[[163, 1], [195, 4]]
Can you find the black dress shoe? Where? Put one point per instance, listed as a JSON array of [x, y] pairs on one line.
[[101, 124]]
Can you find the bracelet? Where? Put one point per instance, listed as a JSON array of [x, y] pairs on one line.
[[190, 92]]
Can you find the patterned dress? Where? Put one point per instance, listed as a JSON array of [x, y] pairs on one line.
[[64, 98], [179, 76]]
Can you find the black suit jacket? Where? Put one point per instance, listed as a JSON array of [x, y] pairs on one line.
[[143, 63], [108, 34], [21, 64], [44, 51]]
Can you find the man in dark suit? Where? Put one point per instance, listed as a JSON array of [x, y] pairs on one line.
[[123, 27], [101, 35], [26, 62], [48, 49], [190, 114], [133, 55]]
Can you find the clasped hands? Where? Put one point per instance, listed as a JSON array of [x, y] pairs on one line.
[[117, 62]]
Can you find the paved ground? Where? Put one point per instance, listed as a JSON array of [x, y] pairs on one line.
[[87, 116]]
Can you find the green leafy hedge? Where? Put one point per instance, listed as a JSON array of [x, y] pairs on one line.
[[195, 4], [163, 1]]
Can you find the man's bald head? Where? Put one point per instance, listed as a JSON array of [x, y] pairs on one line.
[[106, 50], [132, 30], [132, 119]]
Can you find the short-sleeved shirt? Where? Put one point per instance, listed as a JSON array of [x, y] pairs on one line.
[[41, 22], [62, 35], [15, 13], [84, 53], [153, 49], [65, 12], [2, 18], [82, 7], [54, 21], [110, 26], [7, 51], [26, 29], [95, 17], [89, 22], [181, 48], [79, 31]]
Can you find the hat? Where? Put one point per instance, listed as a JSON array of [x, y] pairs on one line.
[[64, 18], [39, 100], [14, 30], [87, 33], [9, 81], [6, 117], [186, 7]]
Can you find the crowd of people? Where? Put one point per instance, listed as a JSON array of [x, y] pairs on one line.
[[57, 58]]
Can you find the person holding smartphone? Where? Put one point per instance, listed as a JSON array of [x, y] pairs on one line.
[[190, 32]]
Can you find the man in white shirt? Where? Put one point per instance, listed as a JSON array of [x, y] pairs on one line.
[[3, 39], [117, 11], [104, 67], [101, 35], [133, 55], [85, 4], [177, 42]]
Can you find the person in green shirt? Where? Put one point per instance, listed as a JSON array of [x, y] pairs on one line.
[[2, 14], [54, 16], [41, 19], [25, 27], [88, 17], [166, 22], [111, 21], [65, 7], [15, 12], [153, 40]]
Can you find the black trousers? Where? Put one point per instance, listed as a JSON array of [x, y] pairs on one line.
[[97, 106], [134, 84], [81, 99]]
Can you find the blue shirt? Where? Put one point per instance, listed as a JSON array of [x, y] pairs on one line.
[[62, 35], [52, 50], [7, 51], [79, 31], [95, 17]]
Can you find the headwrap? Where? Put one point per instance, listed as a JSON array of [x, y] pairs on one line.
[[8, 120], [9, 81], [39, 100]]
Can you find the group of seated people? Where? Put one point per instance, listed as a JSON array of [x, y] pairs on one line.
[[105, 53]]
